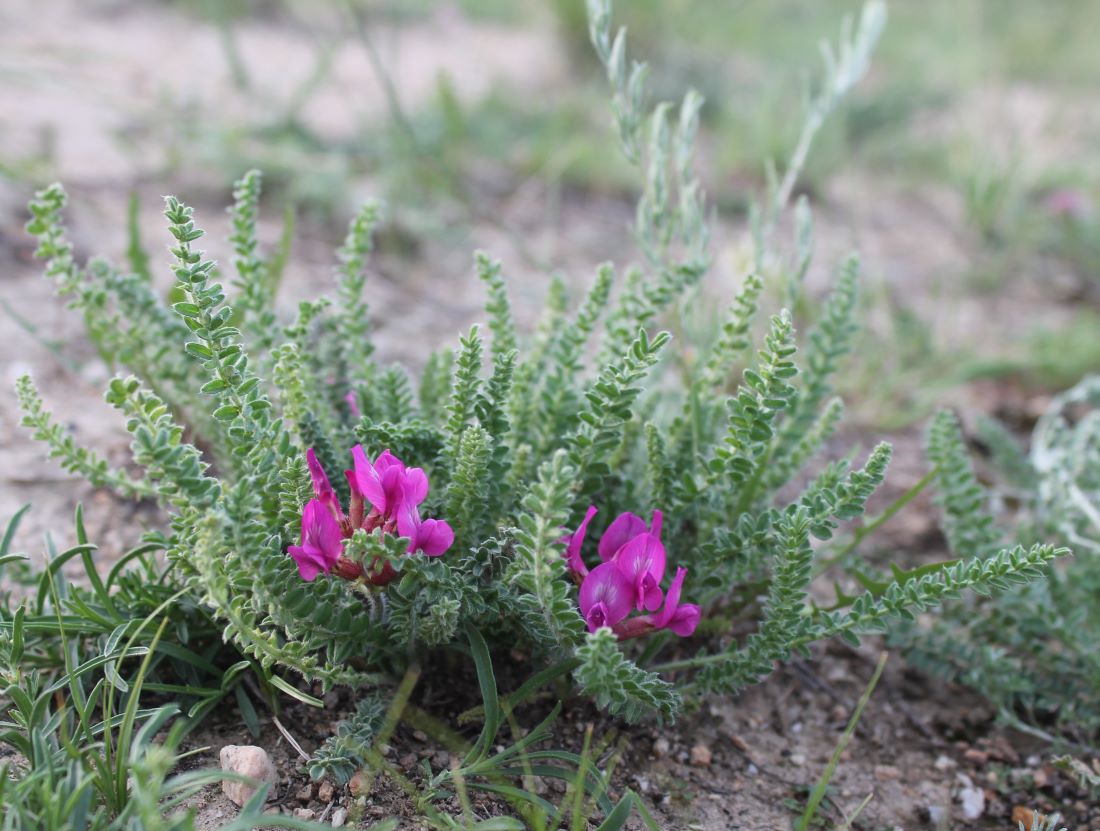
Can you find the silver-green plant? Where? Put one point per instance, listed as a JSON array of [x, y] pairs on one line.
[[1032, 652], [518, 437]]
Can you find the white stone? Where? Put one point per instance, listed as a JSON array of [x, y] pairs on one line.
[[246, 760], [971, 798]]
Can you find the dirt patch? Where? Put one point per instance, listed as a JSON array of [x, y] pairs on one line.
[[736, 763]]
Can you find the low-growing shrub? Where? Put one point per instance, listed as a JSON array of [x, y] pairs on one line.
[[1032, 651], [463, 498], [502, 493]]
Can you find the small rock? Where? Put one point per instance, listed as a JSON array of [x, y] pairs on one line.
[[331, 699], [408, 761], [326, 792], [752, 770], [420, 735], [304, 813], [385, 749], [700, 755], [887, 773], [839, 713], [971, 798], [250, 761], [739, 743], [339, 817], [798, 759], [1022, 814], [441, 760], [661, 747], [304, 793], [978, 757], [360, 783], [945, 763], [937, 816], [1040, 778]]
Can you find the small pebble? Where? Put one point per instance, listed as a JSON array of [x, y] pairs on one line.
[[304, 813], [250, 761], [798, 759], [945, 763], [441, 760], [420, 735], [971, 798], [752, 770], [938, 816], [360, 783], [978, 757], [339, 817], [304, 793], [408, 761], [1023, 814], [661, 747], [331, 699], [700, 756], [326, 792], [887, 773]]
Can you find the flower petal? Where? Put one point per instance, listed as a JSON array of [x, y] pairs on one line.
[[575, 541], [685, 620], [607, 585], [321, 537], [387, 460], [416, 485], [308, 568], [368, 479], [655, 524], [625, 528], [672, 600], [434, 537], [642, 560], [408, 522], [353, 405], [321, 485], [393, 490]]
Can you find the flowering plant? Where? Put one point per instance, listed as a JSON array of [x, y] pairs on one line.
[[628, 578], [515, 451], [394, 494]]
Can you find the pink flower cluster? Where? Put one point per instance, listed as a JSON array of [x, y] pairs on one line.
[[629, 579], [393, 492]]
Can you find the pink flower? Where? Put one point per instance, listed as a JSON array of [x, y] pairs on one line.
[[642, 561], [625, 528], [322, 487], [606, 596], [321, 544], [394, 493], [573, 544], [353, 405], [387, 483], [680, 619], [428, 536]]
